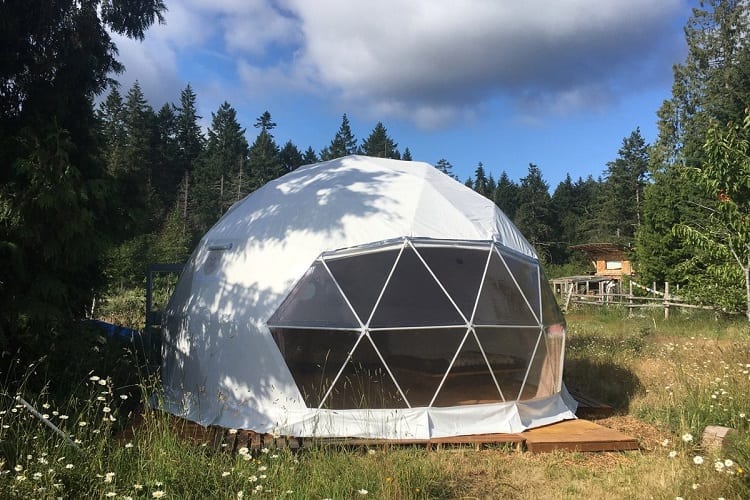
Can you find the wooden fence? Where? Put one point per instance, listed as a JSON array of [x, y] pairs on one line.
[[653, 299]]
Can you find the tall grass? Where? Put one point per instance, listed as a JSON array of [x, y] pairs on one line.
[[667, 380]]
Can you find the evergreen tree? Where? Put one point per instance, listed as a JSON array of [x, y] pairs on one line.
[[111, 117], [290, 157], [167, 172], [190, 139], [379, 144], [54, 189], [133, 176], [575, 208], [620, 213], [309, 157], [139, 209], [445, 167], [265, 164], [506, 195], [343, 143], [407, 155], [491, 187], [534, 211], [221, 175], [481, 184]]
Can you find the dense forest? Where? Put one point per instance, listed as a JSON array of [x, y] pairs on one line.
[[90, 193]]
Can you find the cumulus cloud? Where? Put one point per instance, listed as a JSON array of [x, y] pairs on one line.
[[434, 61], [456, 54], [153, 65]]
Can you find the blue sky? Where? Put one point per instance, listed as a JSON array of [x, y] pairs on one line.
[[558, 83]]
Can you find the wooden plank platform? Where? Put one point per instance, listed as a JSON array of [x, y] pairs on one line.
[[577, 435], [574, 435]]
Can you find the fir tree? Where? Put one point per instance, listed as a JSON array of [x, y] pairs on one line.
[[379, 144]]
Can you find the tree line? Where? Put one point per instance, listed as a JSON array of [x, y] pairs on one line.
[[89, 194], [173, 183]]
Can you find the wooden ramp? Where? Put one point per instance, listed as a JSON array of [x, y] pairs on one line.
[[577, 435]]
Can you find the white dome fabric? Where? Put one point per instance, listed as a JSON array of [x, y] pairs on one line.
[[242, 330]]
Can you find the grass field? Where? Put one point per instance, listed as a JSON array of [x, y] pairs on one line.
[[667, 381]]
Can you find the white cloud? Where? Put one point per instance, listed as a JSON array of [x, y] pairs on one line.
[[431, 61], [153, 63]]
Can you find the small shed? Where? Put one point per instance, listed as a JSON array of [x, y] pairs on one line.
[[610, 262], [609, 259]]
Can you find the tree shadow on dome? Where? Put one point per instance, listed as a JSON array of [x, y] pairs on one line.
[[315, 200], [222, 360]]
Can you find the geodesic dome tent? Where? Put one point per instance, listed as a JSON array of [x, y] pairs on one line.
[[365, 297]]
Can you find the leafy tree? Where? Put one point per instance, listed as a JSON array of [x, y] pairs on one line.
[[343, 143], [712, 83], [380, 144], [55, 196], [725, 240], [534, 211]]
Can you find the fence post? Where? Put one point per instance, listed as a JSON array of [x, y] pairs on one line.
[[630, 300], [666, 300]]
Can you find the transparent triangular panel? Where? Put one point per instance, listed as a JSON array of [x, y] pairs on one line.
[[314, 357], [364, 383], [362, 277], [551, 314], [413, 298], [459, 270], [500, 301], [314, 302], [542, 378], [418, 359], [469, 380], [509, 351], [527, 276]]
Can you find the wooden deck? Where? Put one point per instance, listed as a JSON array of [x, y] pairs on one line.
[[573, 435]]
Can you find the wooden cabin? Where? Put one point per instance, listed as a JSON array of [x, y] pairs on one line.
[[608, 259], [610, 263]]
